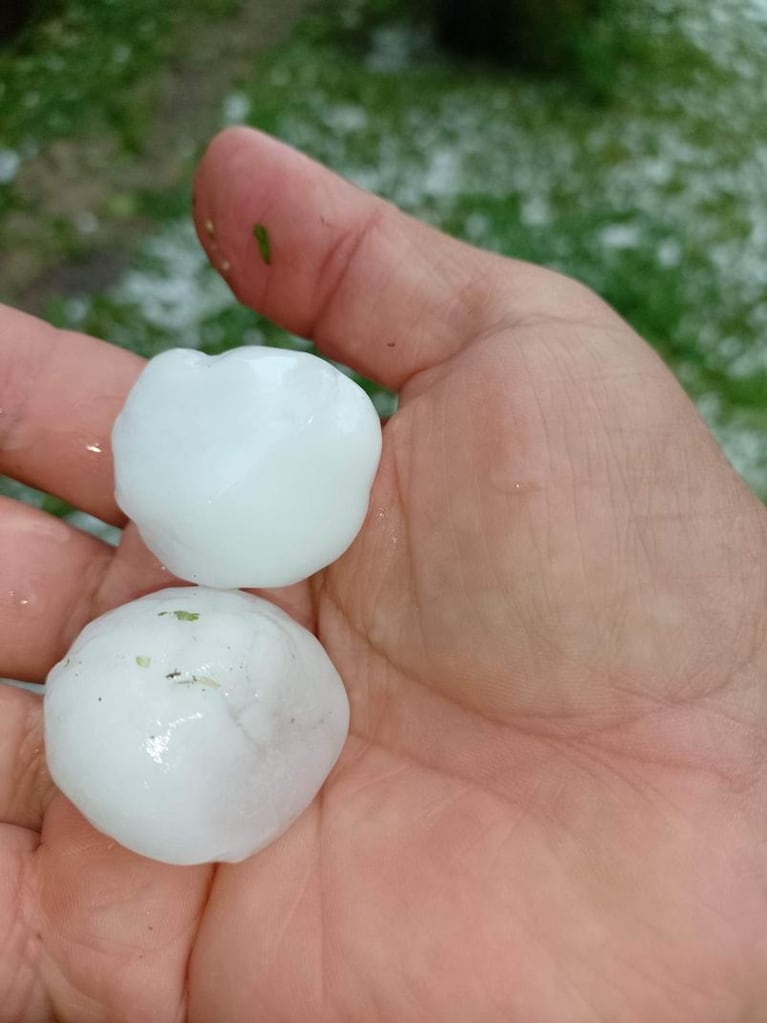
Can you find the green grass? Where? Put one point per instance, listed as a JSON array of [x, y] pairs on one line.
[[650, 188], [92, 66]]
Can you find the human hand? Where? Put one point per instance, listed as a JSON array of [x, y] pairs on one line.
[[552, 629]]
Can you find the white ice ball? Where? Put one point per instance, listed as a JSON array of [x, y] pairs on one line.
[[194, 725], [251, 468]]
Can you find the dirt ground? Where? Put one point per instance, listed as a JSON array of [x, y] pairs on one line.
[[91, 174]]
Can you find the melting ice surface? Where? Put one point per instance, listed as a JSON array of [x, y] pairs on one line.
[[194, 725], [251, 468]]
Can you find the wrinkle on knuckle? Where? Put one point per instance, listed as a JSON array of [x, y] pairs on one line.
[[29, 785], [338, 262], [21, 944], [18, 383]]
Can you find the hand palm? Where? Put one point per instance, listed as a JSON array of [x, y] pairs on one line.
[[550, 804]]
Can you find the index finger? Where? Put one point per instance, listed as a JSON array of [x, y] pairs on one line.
[[59, 395]]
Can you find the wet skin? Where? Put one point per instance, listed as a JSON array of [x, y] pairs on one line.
[[552, 630]]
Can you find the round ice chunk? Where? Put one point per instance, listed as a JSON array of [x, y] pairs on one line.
[[194, 725], [251, 468]]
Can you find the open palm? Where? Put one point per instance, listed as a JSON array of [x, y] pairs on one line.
[[553, 630]]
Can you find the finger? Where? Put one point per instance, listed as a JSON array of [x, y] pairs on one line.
[[59, 395], [372, 287], [24, 781], [50, 574]]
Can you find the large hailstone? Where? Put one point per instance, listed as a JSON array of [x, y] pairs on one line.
[[194, 725], [251, 468]]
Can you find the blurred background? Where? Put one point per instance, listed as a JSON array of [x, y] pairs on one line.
[[623, 142]]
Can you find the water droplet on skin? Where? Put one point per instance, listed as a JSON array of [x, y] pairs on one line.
[[93, 448]]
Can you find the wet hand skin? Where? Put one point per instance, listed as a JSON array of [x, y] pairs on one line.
[[552, 630]]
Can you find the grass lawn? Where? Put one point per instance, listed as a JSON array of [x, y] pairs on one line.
[[649, 185]]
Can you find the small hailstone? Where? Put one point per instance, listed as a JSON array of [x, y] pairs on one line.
[[194, 725], [251, 468]]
